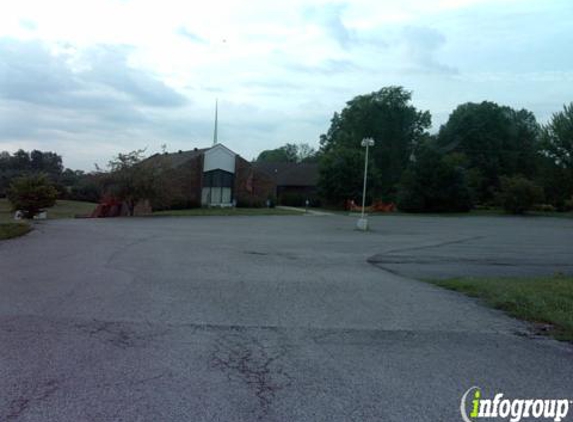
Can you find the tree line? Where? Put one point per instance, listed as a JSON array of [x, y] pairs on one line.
[[484, 155], [68, 183]]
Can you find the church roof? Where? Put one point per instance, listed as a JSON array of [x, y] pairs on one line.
[[291, 174]]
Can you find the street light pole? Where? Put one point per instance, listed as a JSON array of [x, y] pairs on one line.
[[363, 221]]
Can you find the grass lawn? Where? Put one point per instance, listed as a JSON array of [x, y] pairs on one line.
[[543, 300], [62, 209], [10, 230], [224, 212], [69, 209], [473, 213]]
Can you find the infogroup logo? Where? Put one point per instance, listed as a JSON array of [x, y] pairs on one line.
[[514, 409]]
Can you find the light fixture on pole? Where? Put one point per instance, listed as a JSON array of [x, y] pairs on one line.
[[362, 223]]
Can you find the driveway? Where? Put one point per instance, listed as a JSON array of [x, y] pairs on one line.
[[268, 318]]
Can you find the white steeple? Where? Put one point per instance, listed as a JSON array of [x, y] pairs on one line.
[[216, 122]]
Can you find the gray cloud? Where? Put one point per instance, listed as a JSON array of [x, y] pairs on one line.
[[109, 68], [30, 73], [42, 100], [421, 45], [329, 16]]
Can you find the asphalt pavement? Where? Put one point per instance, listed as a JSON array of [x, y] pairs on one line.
[[276, 318]]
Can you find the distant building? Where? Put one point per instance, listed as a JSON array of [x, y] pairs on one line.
[[295, 182], [214, 176]]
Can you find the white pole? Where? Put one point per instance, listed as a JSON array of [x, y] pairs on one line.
[[365, 176]]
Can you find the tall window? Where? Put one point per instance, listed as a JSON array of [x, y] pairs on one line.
[[217, 187]]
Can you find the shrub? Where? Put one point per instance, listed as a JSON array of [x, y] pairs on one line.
[[31, 194], [518, 194]]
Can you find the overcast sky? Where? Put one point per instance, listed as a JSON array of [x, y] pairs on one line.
[[91, 79]]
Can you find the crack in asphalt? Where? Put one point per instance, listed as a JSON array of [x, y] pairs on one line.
[[407, 259], [118, 334], [22, 403], [244, 358], [435, 245]]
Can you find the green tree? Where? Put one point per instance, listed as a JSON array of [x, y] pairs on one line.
[[342, 173], [557, 152], [392, 121], [288, 153], [557, 138], [518, 194], [22, 163], [31, 194], [434, 183], [131, 179], [496, 140]]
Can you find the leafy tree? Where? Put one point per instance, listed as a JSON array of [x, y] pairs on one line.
[[46, 162], [88, 188], [557, 138], [556, 181], [496, 140], [434, 183], [342, 173], [557, 152], [22, 163], [31, 194], [288, 153], [518, 194], [284, 154], [306, 154], [388, 117], [131, 179]]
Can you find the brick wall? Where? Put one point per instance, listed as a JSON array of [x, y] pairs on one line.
[[252, 187], [182, 186]]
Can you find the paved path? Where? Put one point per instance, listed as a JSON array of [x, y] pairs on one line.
[[308, 211], [263, 318]]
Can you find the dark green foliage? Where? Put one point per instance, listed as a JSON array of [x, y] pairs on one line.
[[87, 188], [289, 153], [388, 117], [556, 181], [518, 194], [556, 175], [11, 230], [342, 173], [434, 183], [22, 163], [70, 184], [557, 138], [496, 140], [31, 194]]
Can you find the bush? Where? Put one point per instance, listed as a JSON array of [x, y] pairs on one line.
[[518, 194], [31, 194]]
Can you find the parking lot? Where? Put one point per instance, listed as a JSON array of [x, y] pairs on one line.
[[278, 318]]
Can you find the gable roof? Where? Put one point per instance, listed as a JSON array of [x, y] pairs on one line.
[[291, 174], [174, 159]]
